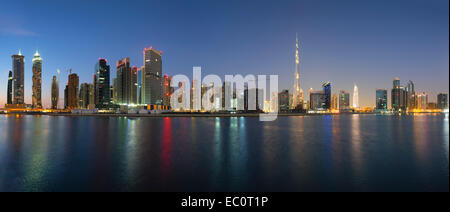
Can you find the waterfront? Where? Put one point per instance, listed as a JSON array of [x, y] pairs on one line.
[[306, 153]]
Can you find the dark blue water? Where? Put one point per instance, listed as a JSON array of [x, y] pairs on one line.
[[311, 153]]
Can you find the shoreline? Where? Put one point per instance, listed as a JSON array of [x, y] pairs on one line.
[[206, 115]]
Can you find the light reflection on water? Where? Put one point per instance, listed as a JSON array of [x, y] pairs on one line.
[[310, 153]]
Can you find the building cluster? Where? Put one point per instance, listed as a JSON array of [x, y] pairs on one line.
[[133, 87]]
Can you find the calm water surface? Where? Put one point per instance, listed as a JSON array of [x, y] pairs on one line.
[[311, 153]]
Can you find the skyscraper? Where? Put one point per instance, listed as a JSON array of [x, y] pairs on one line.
[[66, 97], [55, 93], [72, 91], [381, 100], [442, 101], [126, 85], [335, 102], [152, 77], [327, 92], [283, 100], [9, 97], [297, 96], [422, 101], [37, 81], [410, 95], [102, 83], [317, 100], [85, 96], [344, 100], [167, 90], [398, 99], [18, 69], [355, 97]]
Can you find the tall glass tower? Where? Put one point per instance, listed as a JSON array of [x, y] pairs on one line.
[[37, 80], [10, 88], [102, 83], [152, 77], [18, 69], [298, 93], [355, 97], [55, 93]]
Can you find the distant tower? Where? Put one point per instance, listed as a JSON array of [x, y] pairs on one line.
[[355, 97], [37, 80], [297, 94], [55, 93], [18, 70], [72, 92], [10, 88]]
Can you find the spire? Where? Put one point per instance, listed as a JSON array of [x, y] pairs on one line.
[[20, 52], [37, 53]]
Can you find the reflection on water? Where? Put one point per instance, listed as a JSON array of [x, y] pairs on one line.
[[310, 153]]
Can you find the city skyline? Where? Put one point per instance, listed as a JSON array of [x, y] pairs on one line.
[[369, 72]]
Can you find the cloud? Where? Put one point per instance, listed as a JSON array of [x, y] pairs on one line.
[[16, 31]]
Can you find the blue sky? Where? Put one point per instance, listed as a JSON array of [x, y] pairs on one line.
[[345, 42]]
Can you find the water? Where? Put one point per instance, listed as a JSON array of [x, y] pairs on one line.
[[311, 153]]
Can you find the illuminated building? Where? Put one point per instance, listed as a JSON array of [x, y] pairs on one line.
[[398, 96], [283, 100], [102, 84], [327, 92], [55, 93], [422, 101], [126, 86], [410, 95], [72, 91], [18, 69], [9, 97], [344, 100], [355, 97], [37, 81], [335, 102], [442, 101], [297, 100], [152, 77], [167, 90], [381, 100]]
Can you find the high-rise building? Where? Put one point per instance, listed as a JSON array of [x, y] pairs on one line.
[[9, 97], [55, 93], [72, 91], [37, 81], [344, 100], [398, 96], [381, 100], [167, 90], [355, 97], [19, 69], [442, 101], [327, 92], [317, 100], [335, 102], [66, 97], [123, 84], [85, 95], [411, 95], [152, 77], [297, 92], [283, 100], [139, 85], [422, 101], [102, 84]]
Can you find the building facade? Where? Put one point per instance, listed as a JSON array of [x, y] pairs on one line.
[[152, 77], [422, 101], [327, 92], [102, 84], [398, 96], [344, 100], [72, 92], [283, 101], [442, 101], [381, 101], [9, 96], [37, 81], [55, 93], [18, 69]]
